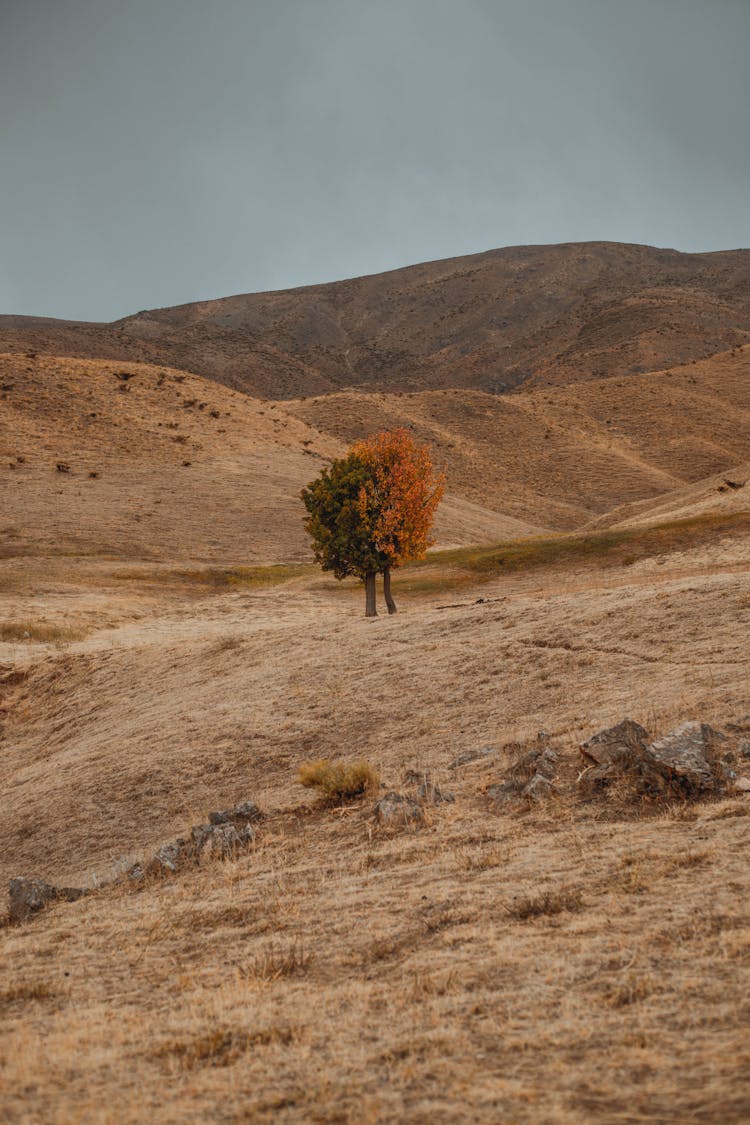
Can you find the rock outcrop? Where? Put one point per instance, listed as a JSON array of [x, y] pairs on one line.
[[29, 896], [398, 810], [226, 834], [530, 779], [468, 756], [690, 761]]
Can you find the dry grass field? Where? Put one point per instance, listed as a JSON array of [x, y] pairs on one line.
[[585, 960], [167, 649], [164, 465]]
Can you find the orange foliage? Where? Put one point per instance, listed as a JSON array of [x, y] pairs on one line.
[[399, 500]]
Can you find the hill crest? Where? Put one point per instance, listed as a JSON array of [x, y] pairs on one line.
[[493, 321]]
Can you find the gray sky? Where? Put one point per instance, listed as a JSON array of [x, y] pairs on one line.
[[154, 152]]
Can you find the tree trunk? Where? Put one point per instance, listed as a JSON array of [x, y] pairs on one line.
[[370, 606], [387, 590]]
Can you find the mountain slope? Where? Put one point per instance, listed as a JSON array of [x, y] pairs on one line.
[[493, 321], [160, 464], [185, 468], [562, 456]]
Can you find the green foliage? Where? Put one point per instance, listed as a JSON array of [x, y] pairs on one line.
[[337, 524]]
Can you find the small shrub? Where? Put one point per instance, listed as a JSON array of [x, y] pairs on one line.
[[337, 780]]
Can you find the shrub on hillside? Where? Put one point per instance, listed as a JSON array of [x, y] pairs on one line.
[[337, 780]]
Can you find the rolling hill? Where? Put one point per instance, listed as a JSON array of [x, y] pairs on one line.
[[528, 315], [151, 462], [584, 951]]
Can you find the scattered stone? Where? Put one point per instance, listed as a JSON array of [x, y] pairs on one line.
[[516, 790], [220, 841], [692, 760], [28, 896], [744, 748], [220, 817], [742, 784], [693, 757], [614, 745], [471, 756], [530, 777], [63, 467], [227, 832], [247, 810], [539, 788], [537, 761], [170, 856], [396, 810]]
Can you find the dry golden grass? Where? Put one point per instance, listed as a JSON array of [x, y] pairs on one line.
[[27, 630], [170, 467], [587, 960], [339, 780], [403, 989], [26, 991], [548, 902]]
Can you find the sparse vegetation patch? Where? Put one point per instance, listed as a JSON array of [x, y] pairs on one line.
[[220, 1047], [338, 780], [464, 566], [25, 631]]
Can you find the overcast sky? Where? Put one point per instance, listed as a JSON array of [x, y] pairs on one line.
[[154, 152]]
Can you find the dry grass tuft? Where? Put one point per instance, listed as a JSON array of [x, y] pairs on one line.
[[337, 780], [277, 962], [20, 630], [33, 990], [547, 903], [629, 991], [482, 859], [732, 811], [220, 1047]]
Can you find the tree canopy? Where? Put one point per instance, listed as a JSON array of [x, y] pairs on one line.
[[372, 510]]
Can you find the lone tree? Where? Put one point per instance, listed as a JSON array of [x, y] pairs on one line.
[[372, 510]]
